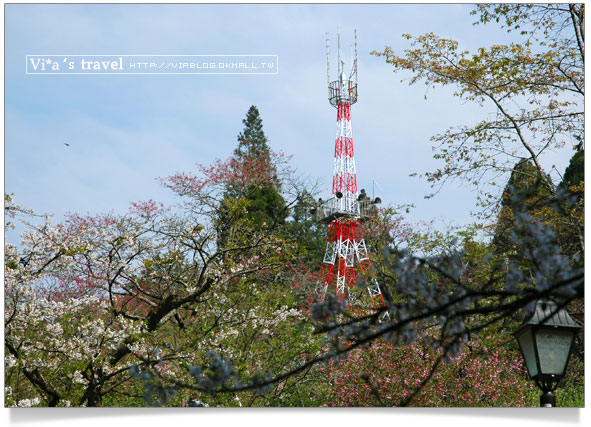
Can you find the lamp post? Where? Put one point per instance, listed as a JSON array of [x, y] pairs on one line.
[[545, 340]]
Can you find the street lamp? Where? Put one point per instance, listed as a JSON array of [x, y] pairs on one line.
[[545, 340]]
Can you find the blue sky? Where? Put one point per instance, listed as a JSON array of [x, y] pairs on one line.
[[126, 131]]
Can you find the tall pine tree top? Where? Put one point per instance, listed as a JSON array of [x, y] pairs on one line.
[[252, 142]]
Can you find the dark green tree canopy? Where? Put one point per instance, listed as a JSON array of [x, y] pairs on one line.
[[528, 185], [527, 181], [575, 172]]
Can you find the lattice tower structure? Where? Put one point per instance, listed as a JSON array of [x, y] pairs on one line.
[[346, 253]]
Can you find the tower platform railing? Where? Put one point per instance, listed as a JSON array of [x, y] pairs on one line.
[[331, 209], [341, 91]]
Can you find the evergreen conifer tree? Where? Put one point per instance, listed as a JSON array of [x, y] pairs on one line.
[[570, 226], [527, 184], [252, 201], [575, 172], [252, 140]]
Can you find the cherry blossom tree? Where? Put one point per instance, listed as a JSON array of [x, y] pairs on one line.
[[148, 305], [92, 297], [487, 372]]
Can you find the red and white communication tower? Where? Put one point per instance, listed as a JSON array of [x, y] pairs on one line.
[[346, 253]]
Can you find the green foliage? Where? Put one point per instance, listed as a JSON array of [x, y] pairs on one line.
[[535, 199], [303, 228], [525, 181], [569, 224], [266, 207], [575, 171], [571, 396], [535, 86]]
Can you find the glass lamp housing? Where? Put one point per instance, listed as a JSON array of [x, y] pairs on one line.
[[545, 340]]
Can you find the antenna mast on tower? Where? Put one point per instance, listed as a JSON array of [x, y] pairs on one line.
[[328, 63]]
